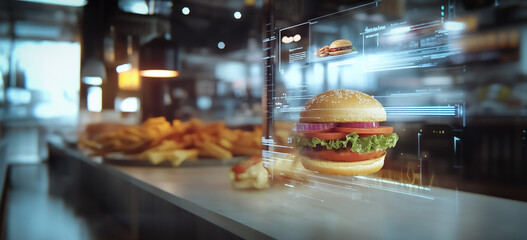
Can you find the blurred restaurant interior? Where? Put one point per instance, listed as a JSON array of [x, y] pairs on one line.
[[122, 119]]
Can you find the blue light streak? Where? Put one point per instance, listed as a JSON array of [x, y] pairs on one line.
[[461, 109], [392, 188], [420, 159], [422, 111], [456, 139]]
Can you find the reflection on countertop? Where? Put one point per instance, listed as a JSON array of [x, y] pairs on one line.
[[38, 207]]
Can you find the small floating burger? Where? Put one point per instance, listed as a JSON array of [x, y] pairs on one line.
[[341, 46], [337, 47], [339, 133]]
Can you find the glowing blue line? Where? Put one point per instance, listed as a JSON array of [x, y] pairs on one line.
[[438, 48], [422, 112], [453, 113], [452, 107], [406, 58], [357, 183], [393, 182], [441, 55], [412, 54], [464, 122], [425, 26], [426, 23], [423, 108], [455, 143], [420, 159], [387, 69], [394, 190], [417, 114], [405, 94], [419, 52]]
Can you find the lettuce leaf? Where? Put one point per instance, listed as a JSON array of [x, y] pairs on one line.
[[357, 144]]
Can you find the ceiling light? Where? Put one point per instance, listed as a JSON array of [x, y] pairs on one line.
[[94, 103], [221, 45], [237, 15], [129, 104], [70, 3], [139, 8], [158, 59], [159, 73], [455, 26], [92, 80], [185, 10], [204, 102], [123, 67]]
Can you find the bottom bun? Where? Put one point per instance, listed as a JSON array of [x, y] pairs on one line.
[[343, 168]]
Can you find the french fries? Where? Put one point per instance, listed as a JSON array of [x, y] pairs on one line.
[[158, 140], [176, 157], [212, 150]]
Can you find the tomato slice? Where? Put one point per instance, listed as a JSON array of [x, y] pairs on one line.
[[377, 130], [327, 135], [341, 156], [241, 167]]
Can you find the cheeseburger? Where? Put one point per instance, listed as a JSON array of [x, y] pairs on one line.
[[339, 133], [339, 47]]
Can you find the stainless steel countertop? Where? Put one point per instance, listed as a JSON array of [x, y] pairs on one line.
[[304, 210]]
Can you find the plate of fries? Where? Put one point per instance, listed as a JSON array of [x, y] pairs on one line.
[[135, 160], [162, 143]]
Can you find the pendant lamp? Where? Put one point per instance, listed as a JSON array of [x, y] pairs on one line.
[[158, 59]]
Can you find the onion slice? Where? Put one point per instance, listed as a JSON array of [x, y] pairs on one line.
[[314, 127], [359, 125]]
